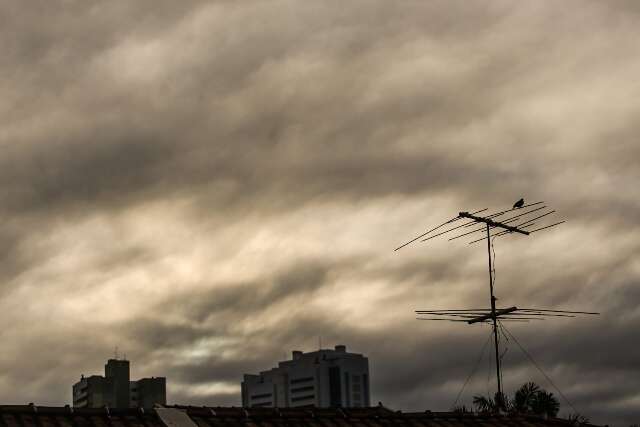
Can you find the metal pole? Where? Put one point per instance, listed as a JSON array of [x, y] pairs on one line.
[[499, 399]]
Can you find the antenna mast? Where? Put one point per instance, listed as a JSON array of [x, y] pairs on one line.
[[493, 317]]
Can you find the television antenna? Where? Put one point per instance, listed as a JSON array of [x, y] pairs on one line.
[[517, 220]]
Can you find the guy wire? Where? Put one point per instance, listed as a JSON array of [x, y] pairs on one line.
[[473, 371], [493, 249], [506, 348], [531, 359]]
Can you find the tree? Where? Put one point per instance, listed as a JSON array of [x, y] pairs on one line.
[[484, 404], [487, 404], [545, 403], [528, 399], [460, 409], [578, 419], [524, 398]]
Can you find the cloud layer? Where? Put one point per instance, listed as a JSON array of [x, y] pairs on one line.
[[210, 185]]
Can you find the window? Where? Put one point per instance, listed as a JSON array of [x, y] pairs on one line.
[[301, 380], [298, 399], [335, 388], [356, 400], [299, 389], [346, 389], [261, 396], [365, 386]]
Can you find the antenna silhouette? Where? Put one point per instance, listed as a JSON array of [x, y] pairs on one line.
[[520, 223]]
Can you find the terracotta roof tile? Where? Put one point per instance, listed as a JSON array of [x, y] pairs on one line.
[[33, 416]]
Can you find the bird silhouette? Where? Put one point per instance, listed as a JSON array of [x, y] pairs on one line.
[[518, 204]]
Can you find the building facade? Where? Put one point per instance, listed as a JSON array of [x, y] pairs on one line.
[[116, 390], [147, 392], [323, 378]]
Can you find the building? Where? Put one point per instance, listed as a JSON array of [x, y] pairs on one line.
[[116, 390], [192, 416], [147, 392], [323, 378]]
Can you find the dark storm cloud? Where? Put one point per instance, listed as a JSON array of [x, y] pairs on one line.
[[213, 184], [221, 305], [117, 153], [130, 149], [12, 259], [219, 313]]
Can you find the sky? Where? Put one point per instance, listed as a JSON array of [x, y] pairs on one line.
[[209, 185]]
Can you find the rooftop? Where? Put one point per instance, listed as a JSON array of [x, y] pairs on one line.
[[190, 416]]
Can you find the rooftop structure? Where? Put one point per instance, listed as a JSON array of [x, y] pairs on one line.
[[116, 390], [323, 378]]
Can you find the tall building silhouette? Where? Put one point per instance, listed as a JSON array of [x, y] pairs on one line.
[[323, 378], [116, 390]]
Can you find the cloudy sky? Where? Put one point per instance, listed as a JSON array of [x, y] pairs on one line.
[[208, 185]]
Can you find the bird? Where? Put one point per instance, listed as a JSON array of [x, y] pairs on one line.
[[518, 204]]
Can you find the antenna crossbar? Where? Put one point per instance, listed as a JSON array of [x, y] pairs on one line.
[[482, 314], [493, 223], [495, 313]]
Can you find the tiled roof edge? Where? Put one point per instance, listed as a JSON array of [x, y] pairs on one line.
[[247, 413]]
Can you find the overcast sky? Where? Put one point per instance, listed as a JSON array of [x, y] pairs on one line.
[[210, 185]]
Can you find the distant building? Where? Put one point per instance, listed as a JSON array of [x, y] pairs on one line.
[[323, 378], [147, 392], [116, 390]]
